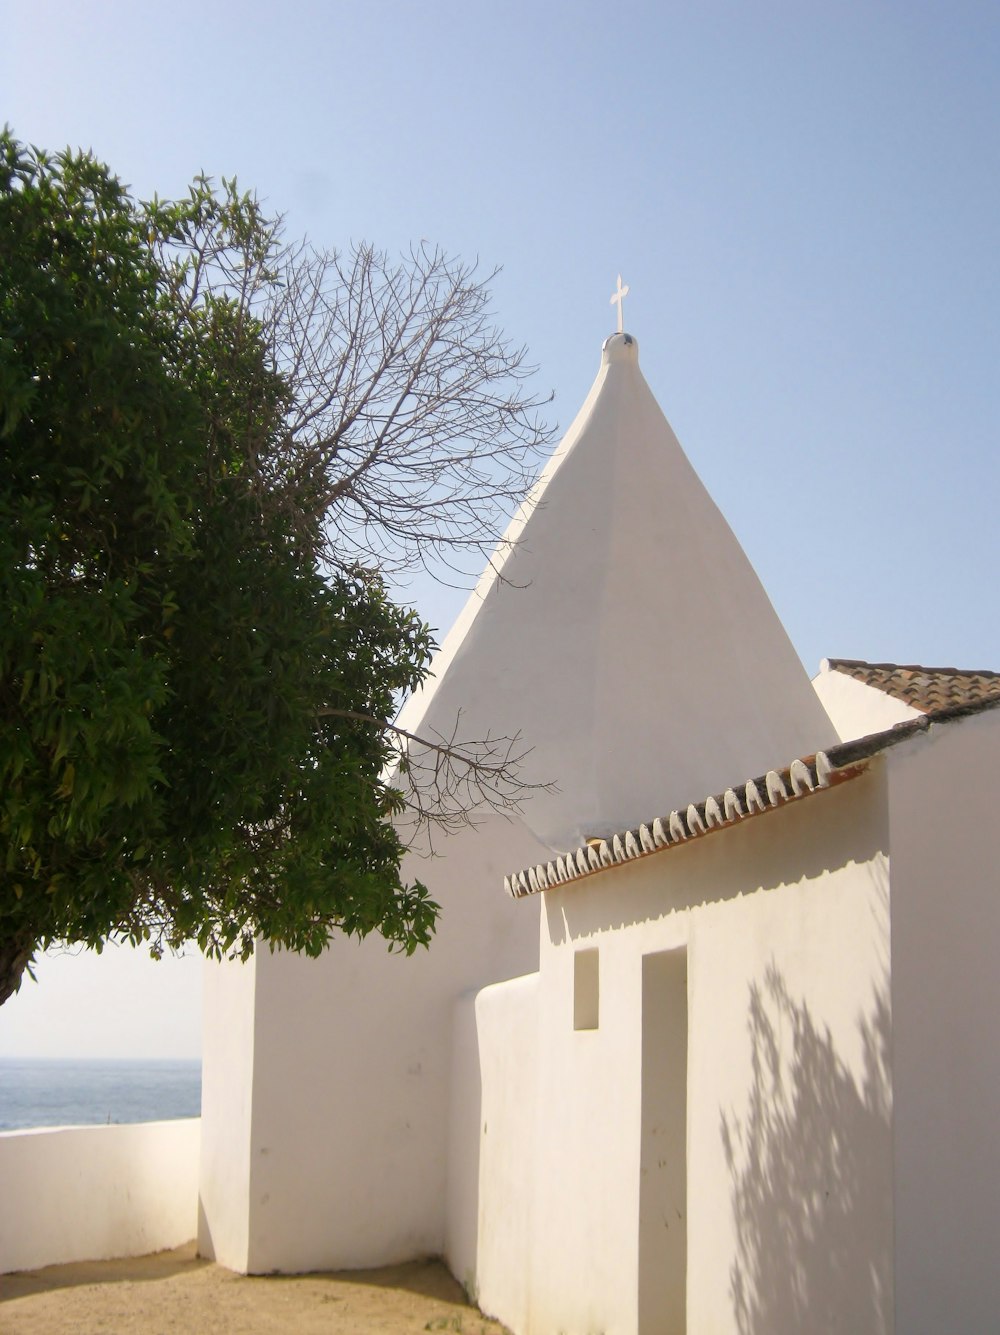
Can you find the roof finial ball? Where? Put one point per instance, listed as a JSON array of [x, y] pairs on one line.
[[620, 346]]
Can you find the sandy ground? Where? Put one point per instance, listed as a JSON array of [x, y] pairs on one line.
[[176, 1293]]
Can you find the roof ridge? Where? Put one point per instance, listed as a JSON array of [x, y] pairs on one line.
[[913, 667]]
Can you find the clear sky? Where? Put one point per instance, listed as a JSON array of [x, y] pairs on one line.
[[804, 198]]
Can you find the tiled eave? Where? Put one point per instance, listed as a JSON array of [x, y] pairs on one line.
[[802, 778]]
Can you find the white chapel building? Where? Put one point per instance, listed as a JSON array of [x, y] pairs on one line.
[[704, 1040]]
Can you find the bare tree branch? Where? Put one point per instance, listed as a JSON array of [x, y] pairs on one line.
[[409, 437], [451, 782], [411, 428]]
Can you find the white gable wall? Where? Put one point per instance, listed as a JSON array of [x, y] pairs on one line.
[[857, 709]]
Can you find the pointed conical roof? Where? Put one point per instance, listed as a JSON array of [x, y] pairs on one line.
[[622, 632]]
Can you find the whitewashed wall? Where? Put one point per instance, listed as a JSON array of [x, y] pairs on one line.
[[491, 1147], [226, 1107], [340, 1069], [96, 1192], [945, 1001], [465, 1124], [855, 708], [781, 926]]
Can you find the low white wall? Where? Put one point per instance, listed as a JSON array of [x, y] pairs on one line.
[[91, 1193], [497, 1197]]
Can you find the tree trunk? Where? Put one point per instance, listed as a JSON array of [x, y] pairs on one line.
[[15, 956]]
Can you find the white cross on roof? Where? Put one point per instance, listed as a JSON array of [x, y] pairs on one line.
[[617, 297]]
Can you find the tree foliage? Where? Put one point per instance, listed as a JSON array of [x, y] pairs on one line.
[[205, 439]]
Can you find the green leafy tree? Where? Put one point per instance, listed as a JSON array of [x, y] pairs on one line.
[[203, 443]]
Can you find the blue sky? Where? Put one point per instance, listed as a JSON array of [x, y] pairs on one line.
[[804, 199]]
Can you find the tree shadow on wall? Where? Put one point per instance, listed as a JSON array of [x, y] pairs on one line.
[[811, 1170]]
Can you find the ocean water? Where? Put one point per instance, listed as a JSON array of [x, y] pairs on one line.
[[95, 1092]]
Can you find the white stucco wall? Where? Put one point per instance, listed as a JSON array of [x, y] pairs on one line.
[[945, 1001], [226, 1101], [465, 1123], [492, 1163], [96, 1192], [784, 924], [858, 710], [790, 1108], [348, 1077]]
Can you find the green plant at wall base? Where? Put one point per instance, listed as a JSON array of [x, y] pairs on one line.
[[196, 692]]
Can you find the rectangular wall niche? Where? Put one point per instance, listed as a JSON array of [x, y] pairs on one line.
[[586, 989]]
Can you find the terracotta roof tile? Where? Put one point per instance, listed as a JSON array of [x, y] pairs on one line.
[[924, 688]]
